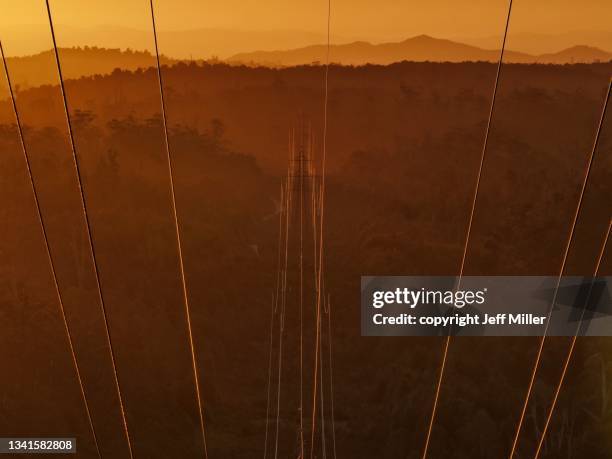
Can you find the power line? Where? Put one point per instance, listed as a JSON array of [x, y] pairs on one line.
[[301, 172], [469, 229], [331, 376], [561, 271], [48, 251], [269, 378], [178, 239], [280, 235], [322, 391], [573, 344], [320, 258], [287, 204], [88, 228], [275, 302]]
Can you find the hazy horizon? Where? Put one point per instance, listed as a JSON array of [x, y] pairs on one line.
[[136, 39], [239, 26]]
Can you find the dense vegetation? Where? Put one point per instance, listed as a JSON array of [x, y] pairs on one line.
[[403, 149]]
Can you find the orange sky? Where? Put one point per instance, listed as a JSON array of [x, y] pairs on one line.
[[23, 22]]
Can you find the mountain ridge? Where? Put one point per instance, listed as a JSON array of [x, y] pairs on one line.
[[417, 48], [39, 69]]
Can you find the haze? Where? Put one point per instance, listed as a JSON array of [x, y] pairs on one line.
[[276, 24]]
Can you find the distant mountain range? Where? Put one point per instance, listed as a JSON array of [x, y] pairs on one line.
[[39, 69], [539, 43], [200, 43], [419, 48]]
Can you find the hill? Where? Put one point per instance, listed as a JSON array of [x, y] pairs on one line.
[[40, 69], [197, 43], [420, 48], [575, 54]]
